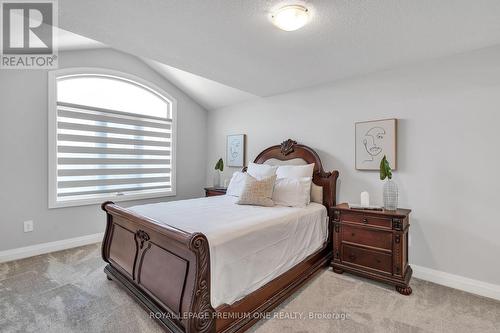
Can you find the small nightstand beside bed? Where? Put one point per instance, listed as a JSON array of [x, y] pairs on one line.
[[373, 244], [213, 191], [219, 262]]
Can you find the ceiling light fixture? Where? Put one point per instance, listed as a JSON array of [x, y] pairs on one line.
[[291, 17]]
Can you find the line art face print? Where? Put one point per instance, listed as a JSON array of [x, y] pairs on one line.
[[373, 142]]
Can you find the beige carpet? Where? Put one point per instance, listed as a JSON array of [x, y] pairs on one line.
[[67, 291]]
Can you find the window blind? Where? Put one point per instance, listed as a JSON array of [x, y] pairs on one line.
[[103, 152]]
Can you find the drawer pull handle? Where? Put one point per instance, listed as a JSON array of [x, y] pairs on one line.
[[352, 257], [365, 220], [353, 234], [378, 261]]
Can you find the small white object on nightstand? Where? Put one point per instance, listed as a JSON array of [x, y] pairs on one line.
[[365, 199]]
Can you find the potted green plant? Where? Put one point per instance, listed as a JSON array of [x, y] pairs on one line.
[[390, 192], [219, 167]]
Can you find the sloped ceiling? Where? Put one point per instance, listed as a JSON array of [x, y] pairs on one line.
[[68, 41], [233, 42], [209, 94]]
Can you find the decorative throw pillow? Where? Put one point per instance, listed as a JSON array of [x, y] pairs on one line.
[[236, 184], [316, 193], [295, 171], [257, 192], [298, 172], [292, 192], [261, 171]]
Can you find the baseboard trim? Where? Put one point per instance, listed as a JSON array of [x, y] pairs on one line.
[[472, 286], [35, 250]]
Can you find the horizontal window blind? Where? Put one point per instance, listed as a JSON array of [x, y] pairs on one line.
[[104, 152]]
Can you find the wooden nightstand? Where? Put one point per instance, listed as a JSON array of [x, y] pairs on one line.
[[373, 244], [212, 191]]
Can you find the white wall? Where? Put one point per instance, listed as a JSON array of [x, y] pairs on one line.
[[23, 151], [448, 149]]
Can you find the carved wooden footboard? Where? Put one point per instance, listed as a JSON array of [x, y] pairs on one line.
[[166, 269]]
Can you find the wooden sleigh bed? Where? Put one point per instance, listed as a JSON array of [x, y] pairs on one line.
[[167, 270]]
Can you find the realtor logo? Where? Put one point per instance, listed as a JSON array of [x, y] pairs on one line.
[[28, 34]]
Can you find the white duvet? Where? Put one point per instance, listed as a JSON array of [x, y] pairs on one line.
[[249, 245]]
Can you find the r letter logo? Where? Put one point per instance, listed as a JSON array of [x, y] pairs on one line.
[[27, 35]]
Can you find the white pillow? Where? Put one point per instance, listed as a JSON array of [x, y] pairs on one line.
[[295, 171], [261, 171], [236, 184], [292, 192]]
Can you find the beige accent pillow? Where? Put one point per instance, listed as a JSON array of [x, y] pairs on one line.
[[316, 193], [257, 192]]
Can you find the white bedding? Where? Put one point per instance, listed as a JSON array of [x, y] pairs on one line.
[[249, 245]]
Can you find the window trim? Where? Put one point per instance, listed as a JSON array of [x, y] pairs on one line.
[[52, 136]]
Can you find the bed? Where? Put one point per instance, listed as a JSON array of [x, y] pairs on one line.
[[209, 265]]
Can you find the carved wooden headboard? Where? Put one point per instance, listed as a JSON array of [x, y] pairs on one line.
[[291, 150]]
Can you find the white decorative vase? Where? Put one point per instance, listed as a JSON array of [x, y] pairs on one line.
[[390, 195], [217, 178]]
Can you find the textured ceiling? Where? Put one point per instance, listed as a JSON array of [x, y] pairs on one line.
[[233, 42]]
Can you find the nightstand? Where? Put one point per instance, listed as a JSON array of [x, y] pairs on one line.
[[213, 191], [373, 244]]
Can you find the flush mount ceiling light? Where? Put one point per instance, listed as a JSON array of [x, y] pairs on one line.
[[291, 17]]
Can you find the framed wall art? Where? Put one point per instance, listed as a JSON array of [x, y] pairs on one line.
[[235, 150], [374, 139]]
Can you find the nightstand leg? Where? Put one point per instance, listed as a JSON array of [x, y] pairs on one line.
[[338, 270], [404, 290]]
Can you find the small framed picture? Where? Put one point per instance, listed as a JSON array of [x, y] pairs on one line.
[[374, 139], [235, 150]]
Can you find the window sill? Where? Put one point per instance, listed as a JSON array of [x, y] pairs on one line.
[[114, 198]]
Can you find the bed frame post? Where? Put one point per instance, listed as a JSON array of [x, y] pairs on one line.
[[204, 319]]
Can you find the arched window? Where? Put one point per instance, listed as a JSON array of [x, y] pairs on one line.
[[111, 137]]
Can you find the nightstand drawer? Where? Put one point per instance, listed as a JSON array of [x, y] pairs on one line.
[[367, 258], [368, 237], [367, 219]]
